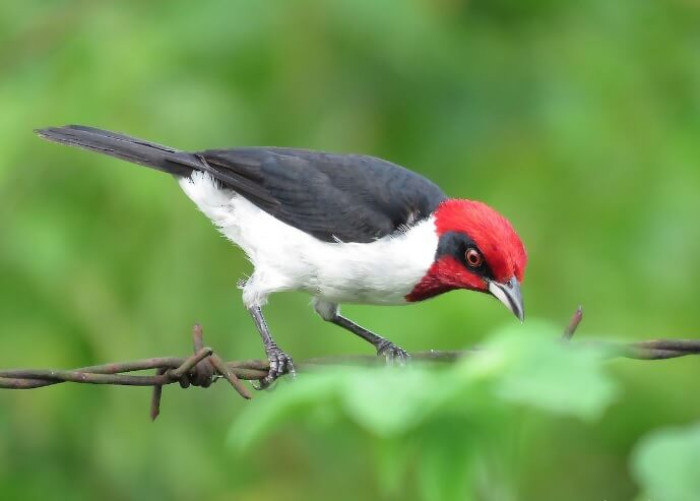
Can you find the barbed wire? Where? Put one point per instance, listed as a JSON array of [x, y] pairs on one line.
[[204, 367]]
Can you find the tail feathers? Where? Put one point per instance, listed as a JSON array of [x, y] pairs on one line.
[[128, 148]]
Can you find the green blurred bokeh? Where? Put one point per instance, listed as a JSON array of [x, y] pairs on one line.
[[578, 120]]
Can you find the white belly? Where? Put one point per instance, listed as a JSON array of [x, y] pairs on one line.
[[285, 258]]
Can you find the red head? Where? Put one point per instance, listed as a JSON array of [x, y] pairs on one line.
[[478, 249]]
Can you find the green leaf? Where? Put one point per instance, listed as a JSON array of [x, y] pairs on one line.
[[525, 365], [452, 417], [532, 365], [312, 393], [389, 401], [667, 464]]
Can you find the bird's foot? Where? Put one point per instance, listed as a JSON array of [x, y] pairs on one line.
[[280, 364], [394, 355]]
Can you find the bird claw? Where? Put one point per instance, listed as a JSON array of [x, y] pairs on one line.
[[394, 355], [280, 364]]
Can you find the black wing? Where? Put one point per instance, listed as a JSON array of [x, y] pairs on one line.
[[352, 198]]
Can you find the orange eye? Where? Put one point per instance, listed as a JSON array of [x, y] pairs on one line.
[[474, 258]]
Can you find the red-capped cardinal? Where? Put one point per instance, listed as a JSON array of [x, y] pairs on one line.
[[344, 228]]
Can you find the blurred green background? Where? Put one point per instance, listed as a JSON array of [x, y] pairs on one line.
[[578, 120]]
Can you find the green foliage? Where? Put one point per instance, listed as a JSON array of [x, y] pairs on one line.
[[448, 420], [534, 367], [667, 464]]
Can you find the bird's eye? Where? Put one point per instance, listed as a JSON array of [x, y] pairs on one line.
[[474, 258]]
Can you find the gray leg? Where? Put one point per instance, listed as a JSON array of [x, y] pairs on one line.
[[331, 313], [280, 362]]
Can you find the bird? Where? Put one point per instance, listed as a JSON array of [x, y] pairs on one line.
[[345, 228]]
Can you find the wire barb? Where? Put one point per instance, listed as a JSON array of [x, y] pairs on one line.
[[204, 367], [574, 323]]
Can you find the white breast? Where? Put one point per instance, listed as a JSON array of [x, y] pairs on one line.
[[285, 258]]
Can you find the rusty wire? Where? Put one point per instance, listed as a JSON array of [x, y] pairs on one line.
[[204, 367]]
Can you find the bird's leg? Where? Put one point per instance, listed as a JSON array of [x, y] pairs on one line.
[[384, 347], [280, 362], [331, 313]]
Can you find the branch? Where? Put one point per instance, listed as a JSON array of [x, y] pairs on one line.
[[204, 367]]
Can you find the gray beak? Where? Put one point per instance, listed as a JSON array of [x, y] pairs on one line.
[[509, 294]]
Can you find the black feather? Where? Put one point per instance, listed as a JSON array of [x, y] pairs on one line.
[[352, 198]]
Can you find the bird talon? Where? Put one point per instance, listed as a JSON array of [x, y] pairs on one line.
[[260, 384], [280, 364], [393, 354]]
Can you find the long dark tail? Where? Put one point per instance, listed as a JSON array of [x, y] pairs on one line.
[[125, 147]]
